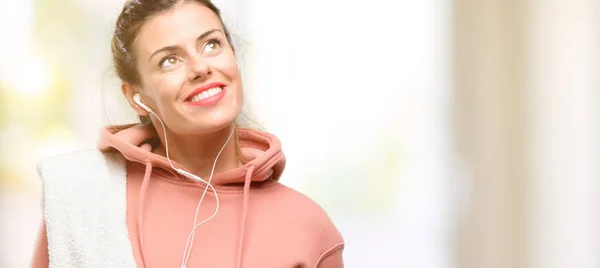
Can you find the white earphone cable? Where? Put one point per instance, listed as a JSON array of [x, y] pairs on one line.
[[190, 240], [192, 234]]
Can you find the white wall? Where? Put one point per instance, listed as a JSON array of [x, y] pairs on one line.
[[565, 131]]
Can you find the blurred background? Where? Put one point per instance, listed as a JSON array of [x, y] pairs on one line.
[[435, 133]]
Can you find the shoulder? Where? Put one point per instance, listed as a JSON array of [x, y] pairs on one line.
[[306, 214]]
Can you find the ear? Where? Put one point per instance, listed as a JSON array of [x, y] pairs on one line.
[[128, 91]]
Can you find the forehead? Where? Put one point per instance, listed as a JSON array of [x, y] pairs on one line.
[[180, 25]]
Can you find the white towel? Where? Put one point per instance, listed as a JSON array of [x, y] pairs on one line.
[[85, 209]]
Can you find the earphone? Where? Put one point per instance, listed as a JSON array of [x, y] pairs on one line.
[[190, 240], [136, 99]]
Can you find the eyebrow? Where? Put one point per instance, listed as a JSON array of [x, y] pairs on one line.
[[168, 48]]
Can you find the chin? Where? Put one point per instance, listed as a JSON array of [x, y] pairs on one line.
[[210, 124]]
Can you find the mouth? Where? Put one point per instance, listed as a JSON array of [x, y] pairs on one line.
[[206, 95]]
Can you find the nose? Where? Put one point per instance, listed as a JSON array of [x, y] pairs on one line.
[[199, 69]]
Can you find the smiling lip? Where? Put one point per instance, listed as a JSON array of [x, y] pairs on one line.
[[210, 100]]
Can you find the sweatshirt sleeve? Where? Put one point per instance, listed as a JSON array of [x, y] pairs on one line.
[[332, 258], [40, 257]]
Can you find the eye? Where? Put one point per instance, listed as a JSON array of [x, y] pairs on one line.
[[212, 45], [168, 61]]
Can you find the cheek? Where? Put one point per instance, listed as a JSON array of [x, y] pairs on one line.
[[228, 70], [161, 86], [169, 84], [233, 74], [164, 87], [227, 65]]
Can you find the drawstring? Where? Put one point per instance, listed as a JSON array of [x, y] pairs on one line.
[[143, 189], [246, 200], [249, 174]]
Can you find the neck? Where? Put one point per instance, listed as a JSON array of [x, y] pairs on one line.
[[197, 153]]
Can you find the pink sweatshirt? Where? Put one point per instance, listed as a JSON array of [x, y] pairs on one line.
[[260, 222]]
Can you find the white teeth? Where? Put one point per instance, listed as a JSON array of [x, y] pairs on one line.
[[206, 94]]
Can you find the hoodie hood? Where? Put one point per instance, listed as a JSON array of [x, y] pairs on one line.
[[261, 150]]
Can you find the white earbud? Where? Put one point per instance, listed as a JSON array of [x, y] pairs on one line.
[[136, 99]]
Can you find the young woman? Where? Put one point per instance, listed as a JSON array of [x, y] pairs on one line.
[[188, 187]]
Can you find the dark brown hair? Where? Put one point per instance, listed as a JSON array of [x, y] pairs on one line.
[[129, 23]]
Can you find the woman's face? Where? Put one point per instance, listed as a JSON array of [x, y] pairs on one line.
[[188, 72]]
